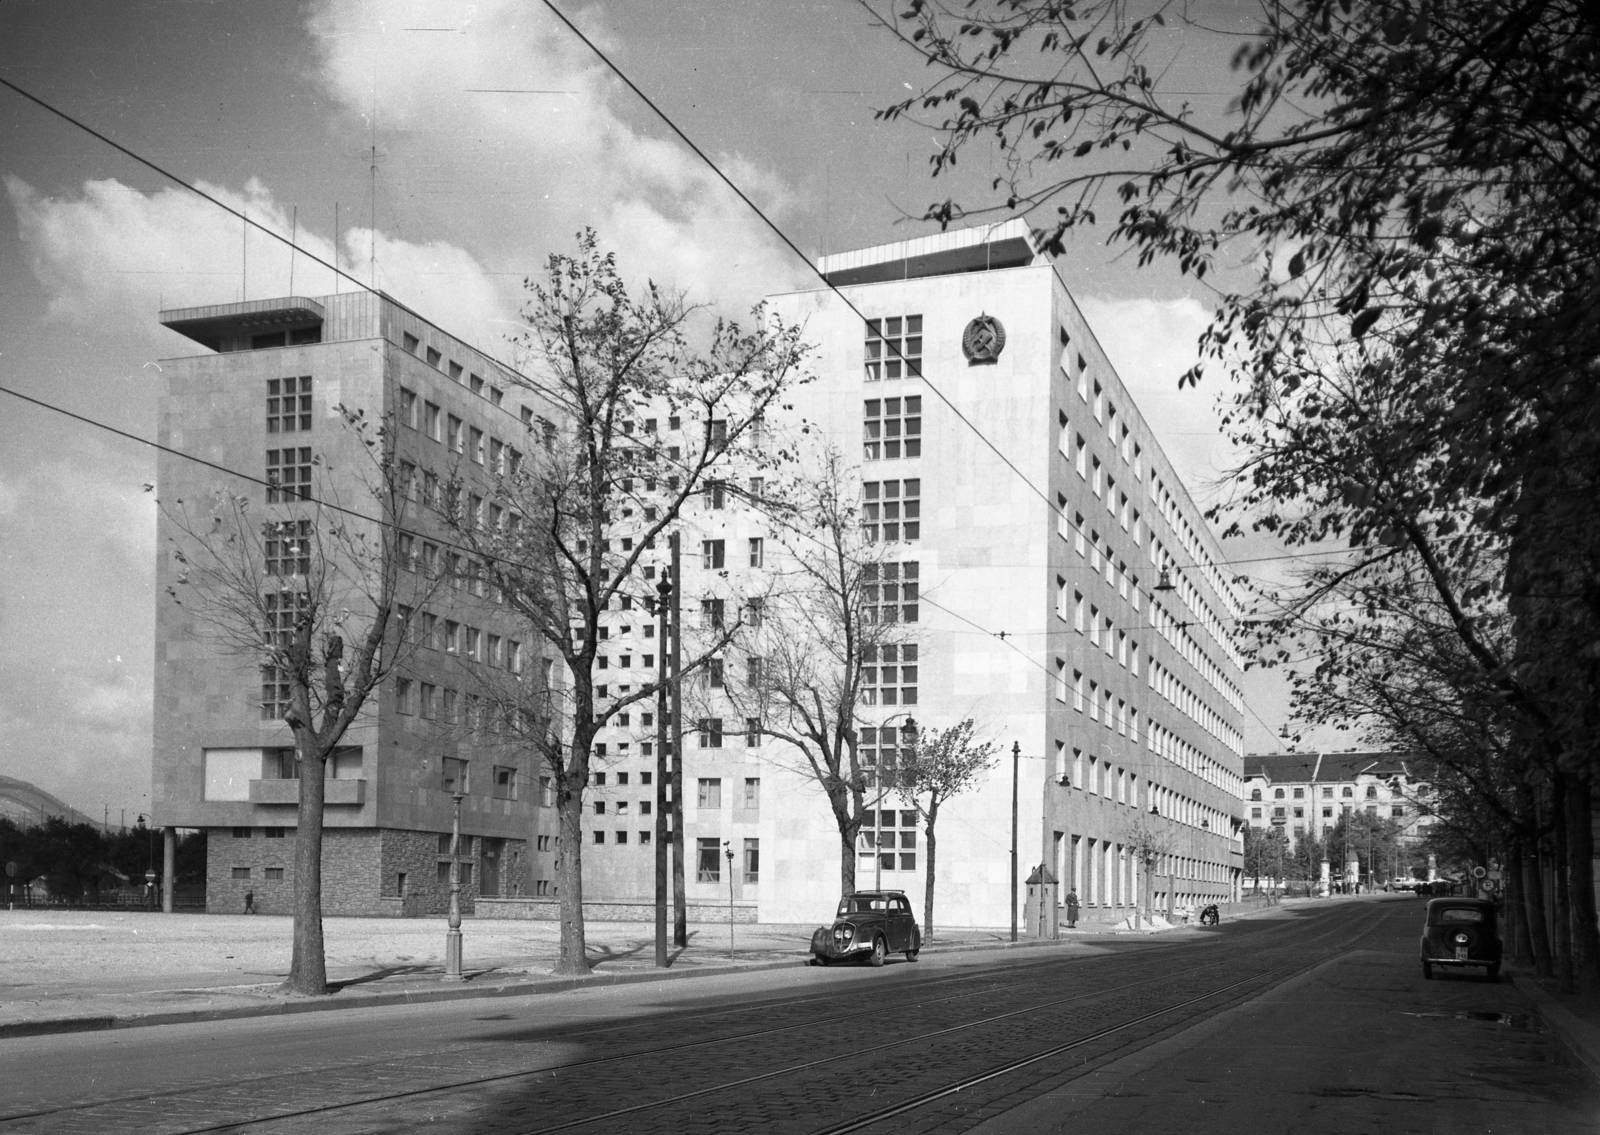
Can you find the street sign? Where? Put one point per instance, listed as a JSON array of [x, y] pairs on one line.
[[11, 869], [1478, 872]]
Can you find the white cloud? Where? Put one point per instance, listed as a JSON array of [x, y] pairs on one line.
[[111, 256], [529, 170]]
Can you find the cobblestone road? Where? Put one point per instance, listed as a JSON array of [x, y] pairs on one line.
[[828, 1050]]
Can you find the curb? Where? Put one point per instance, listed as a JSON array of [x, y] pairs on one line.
[[467, 991], [1580, 1037]]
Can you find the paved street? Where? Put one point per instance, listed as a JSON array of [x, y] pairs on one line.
[[1317, 1022]]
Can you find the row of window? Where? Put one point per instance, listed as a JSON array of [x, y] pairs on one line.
[[1397, 811], [456, 435], [458, 374], [1347, 792], [472, 643]]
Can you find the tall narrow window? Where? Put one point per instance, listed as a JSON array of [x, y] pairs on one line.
[[757, 551], [892, 510], [289, 405], [892, 428], [713, 554], [894, 348], [890, 592], [288, 474]]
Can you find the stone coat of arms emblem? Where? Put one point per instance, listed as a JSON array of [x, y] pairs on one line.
[[983, 340]]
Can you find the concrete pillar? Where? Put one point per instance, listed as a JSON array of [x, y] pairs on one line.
[[169, 869]]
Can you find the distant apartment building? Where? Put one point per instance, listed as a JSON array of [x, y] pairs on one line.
[[264, 399], [1307, 793]]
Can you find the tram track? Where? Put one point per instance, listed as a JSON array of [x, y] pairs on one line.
[[1013, 981]]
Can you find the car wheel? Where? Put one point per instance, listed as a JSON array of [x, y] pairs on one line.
[[1427, 972], [1493, 973], [880, 951], [915, 949]]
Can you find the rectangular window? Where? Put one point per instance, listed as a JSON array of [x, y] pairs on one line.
[[453, 435], [890, 592], [409, 341], [547, 792], [505, 783], [241, 872], [433, 357], [289, 405], [752, 732], [430, 421], [889, 674], [710, 796], [475, 444], [892, 510], [708, 861], [408, 407], [894, 348], [713, 554], [752, 861], [288, 474], [893, 428], [430, 697], [752, 793], [713, 613], [287, 549], [711, 732], [757, 551]]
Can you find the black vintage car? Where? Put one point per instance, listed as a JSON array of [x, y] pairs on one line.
[[870, 925], [1461, 932]]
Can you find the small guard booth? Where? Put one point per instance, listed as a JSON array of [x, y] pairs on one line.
[[1043, 916]]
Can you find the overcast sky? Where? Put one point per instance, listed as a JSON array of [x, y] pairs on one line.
[[271, 106]]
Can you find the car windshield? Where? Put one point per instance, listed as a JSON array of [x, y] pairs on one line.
[[1460, 914], [861, 904]]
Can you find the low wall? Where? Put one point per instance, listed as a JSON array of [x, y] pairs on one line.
[[549, 910]]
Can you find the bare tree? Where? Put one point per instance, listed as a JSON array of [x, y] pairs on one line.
[[308, 588], [1149, 844], [831, 623], [641, 425], [942, 764]]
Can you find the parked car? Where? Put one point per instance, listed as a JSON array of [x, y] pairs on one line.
[[1461, 932], [869, 925]]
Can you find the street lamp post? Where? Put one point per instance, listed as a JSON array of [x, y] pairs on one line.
[[452, 936], [908, 739], [1016, 758], [727, 849]]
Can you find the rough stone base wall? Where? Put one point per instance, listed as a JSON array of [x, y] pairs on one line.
[[360, 872], [549, 910]]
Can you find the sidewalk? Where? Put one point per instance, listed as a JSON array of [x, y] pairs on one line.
[[75, 971]]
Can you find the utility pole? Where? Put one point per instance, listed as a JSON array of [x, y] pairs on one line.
[[663, 599], [680, 914], [1016, 758]]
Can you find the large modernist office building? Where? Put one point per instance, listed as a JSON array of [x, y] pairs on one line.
[[1053, 580], [265, 399], [1067, 594]]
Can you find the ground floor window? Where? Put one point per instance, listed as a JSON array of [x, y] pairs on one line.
[[709, 861]]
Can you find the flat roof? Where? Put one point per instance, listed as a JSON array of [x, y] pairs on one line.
[[1006, 244], [207, 325]]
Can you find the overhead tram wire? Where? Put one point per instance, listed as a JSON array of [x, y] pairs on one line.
[[162, 171], [340, 273], [790, 244], [554, 395]]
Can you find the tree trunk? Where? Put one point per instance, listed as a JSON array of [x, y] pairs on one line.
[[308, 966], [1580, 872], [927, 888], [1538, 919], [1563, 919], [1518, 948], [574, 956], [847, 862]]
